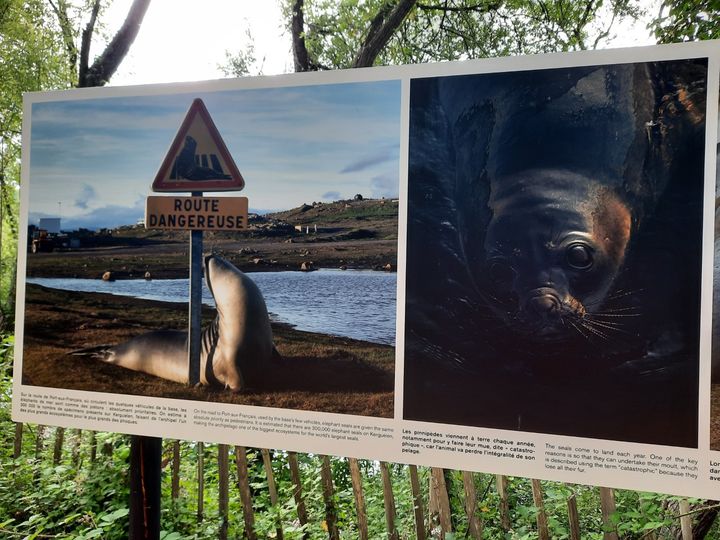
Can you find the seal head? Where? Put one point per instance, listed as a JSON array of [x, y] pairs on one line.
[[554, 245]]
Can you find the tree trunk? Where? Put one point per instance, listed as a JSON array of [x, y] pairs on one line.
[[381, 29], [109, 60]]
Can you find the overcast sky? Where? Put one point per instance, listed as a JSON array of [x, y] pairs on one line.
[[93, 161]]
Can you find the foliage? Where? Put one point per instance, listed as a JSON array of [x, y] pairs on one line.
[[458, 30], [688, 20], [31, 59]]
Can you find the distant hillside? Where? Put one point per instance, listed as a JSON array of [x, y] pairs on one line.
[[379, 216]]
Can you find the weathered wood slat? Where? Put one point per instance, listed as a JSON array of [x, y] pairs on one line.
[[475, 524], [59, 441], [607, 508], [297, 490], [329, 498], [175, 483], [75, 453], [360, 509], [200, 481], [685, 520], [93, 447], [39, 441], [223, 490], [244, 488], [389, 499], [501, 483], [573, 518], [17, 444], [272, 488], [417, 503], [542, 523], [439, 507]]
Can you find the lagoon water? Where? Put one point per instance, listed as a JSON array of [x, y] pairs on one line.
[[359, 304]]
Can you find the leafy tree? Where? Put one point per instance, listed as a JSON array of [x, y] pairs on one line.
[[70, 18], [330, 34], [689, 20]]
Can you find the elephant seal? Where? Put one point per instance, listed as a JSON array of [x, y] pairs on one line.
[[235, 347], [555, 244]]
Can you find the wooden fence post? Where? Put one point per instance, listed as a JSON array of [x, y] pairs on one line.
[[475, 524], [267, 463], [389, 498], [542, 523], [501, 483], [297, 491], [685, 520], [245, 496], [17, 446], [200, 481], [573, 518], [328, 496], [39, 441], [417, 503], [175, 483], [57, 449], [359, 499], [223, 489], [607, 507], [145, 487], [93, 447], [439, 507], [75, 453]]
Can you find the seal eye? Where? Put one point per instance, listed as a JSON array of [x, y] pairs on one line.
[[500, 272], [579, 256]]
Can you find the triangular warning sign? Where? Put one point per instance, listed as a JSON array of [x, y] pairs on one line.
[[198, 159]]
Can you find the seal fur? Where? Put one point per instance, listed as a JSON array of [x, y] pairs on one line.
[[235, 346]]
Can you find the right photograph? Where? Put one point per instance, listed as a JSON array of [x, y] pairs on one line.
[[554, 248]]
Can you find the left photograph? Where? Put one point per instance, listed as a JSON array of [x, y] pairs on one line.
[[299, 300]]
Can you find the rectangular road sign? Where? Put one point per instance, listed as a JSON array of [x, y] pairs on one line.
[[196, 213]]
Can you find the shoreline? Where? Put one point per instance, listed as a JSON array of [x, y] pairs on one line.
[[318, 372]]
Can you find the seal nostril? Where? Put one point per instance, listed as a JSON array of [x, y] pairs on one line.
[[543, 304]]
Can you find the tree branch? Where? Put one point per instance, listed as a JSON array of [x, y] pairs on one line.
[[481, 7], [66, 29], [107, 63], [86, 39], [297, 27], [381, 30]]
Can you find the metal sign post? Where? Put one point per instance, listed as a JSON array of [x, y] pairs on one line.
[[195, 310]]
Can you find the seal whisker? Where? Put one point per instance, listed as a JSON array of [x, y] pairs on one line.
[[595, 331], [580, 330], [607, 326]]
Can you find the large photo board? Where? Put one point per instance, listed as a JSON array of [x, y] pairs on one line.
[[503, 265]]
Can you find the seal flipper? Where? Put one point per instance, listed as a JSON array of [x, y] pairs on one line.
[[98, 352]]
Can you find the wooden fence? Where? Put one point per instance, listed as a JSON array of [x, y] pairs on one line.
[[431, 503]]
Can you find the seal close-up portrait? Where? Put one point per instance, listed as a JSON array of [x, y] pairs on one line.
[[554, 250]]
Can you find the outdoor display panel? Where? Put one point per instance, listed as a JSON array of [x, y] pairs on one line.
[[504, 265]]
